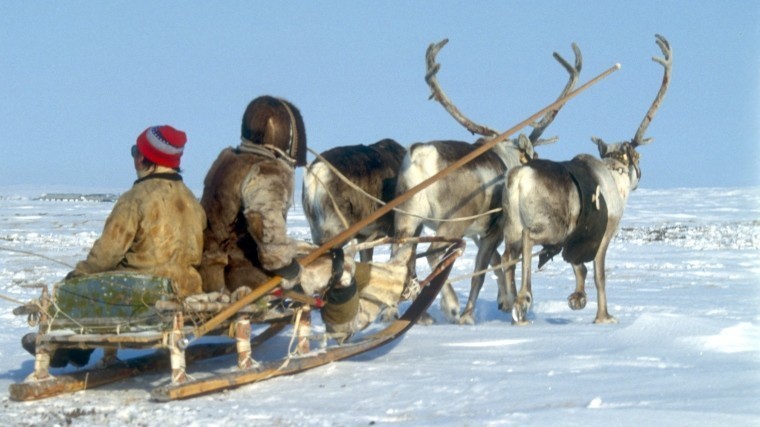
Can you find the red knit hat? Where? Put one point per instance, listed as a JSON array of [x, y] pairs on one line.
[[162, 145]]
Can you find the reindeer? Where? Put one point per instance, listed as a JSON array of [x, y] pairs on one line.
[[331, 204], [574, 207], [471, 194]]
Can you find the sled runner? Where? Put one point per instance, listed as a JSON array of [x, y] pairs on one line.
[[120, 311]]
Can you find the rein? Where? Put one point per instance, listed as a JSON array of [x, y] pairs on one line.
[[361, 191], [3, 248], [493, 268]]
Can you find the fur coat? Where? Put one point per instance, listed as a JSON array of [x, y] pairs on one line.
[[246, 196], [154, 228]]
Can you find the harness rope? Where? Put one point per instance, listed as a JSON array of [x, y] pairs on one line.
[[330, 194], [493, 268], [380, 202], [4, 248], [13, 300], [34, 302]]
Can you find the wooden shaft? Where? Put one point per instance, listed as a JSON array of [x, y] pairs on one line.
[[341, 238]]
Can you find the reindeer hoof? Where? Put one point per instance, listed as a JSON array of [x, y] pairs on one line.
[[426, 319], [577, 300], [389, 314], [520, 309], [518, 316], [466, 319], [451, 313], [605, 320]]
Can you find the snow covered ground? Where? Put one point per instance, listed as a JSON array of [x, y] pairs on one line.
[[683, 277]]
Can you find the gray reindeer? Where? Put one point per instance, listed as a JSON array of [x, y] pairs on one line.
[[471, 194], [331, 205], [574, 207]]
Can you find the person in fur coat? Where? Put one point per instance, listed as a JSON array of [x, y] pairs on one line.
[[155, 228], [247, 194]]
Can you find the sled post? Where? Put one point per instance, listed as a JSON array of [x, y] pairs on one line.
[[242, 329], [177, 350], [43, 352], [41, 362], [303, 330]]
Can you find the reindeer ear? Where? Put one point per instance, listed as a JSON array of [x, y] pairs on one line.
[[525, 146], [523, 142], [601, 145]]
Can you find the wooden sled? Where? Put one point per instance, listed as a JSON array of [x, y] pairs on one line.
[[120, 311]]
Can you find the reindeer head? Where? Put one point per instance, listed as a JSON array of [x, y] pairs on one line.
[[623, 155], [523, 144]]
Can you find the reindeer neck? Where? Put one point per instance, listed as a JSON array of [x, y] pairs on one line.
[[508, 153], [622, 176]]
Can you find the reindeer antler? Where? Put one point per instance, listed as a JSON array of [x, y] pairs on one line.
[[666, 62], [574, 71], [440, 96], [538, 127]]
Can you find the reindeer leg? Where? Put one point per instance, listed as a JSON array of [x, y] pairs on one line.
[[577, 300], [366, 255], [405, 253], [468, 315], [486, 251], [449, 297], [501, 279], [450, 303], [602, 316], [507, 300], [525, 296]]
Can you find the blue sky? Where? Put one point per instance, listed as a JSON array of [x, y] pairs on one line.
[[79, 80]]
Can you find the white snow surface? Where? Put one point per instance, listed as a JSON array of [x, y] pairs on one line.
[[682, 280]]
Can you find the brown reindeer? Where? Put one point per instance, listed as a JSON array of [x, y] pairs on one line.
[[471, 194], [574, 207], [331, 205]]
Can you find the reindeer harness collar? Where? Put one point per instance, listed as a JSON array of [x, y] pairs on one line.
[[582, 244]]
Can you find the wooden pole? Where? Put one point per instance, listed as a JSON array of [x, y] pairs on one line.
[[343, 237]]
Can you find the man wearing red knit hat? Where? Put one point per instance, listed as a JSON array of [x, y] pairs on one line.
[[155, 228]]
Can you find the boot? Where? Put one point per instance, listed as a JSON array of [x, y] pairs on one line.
[[339, 311]]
